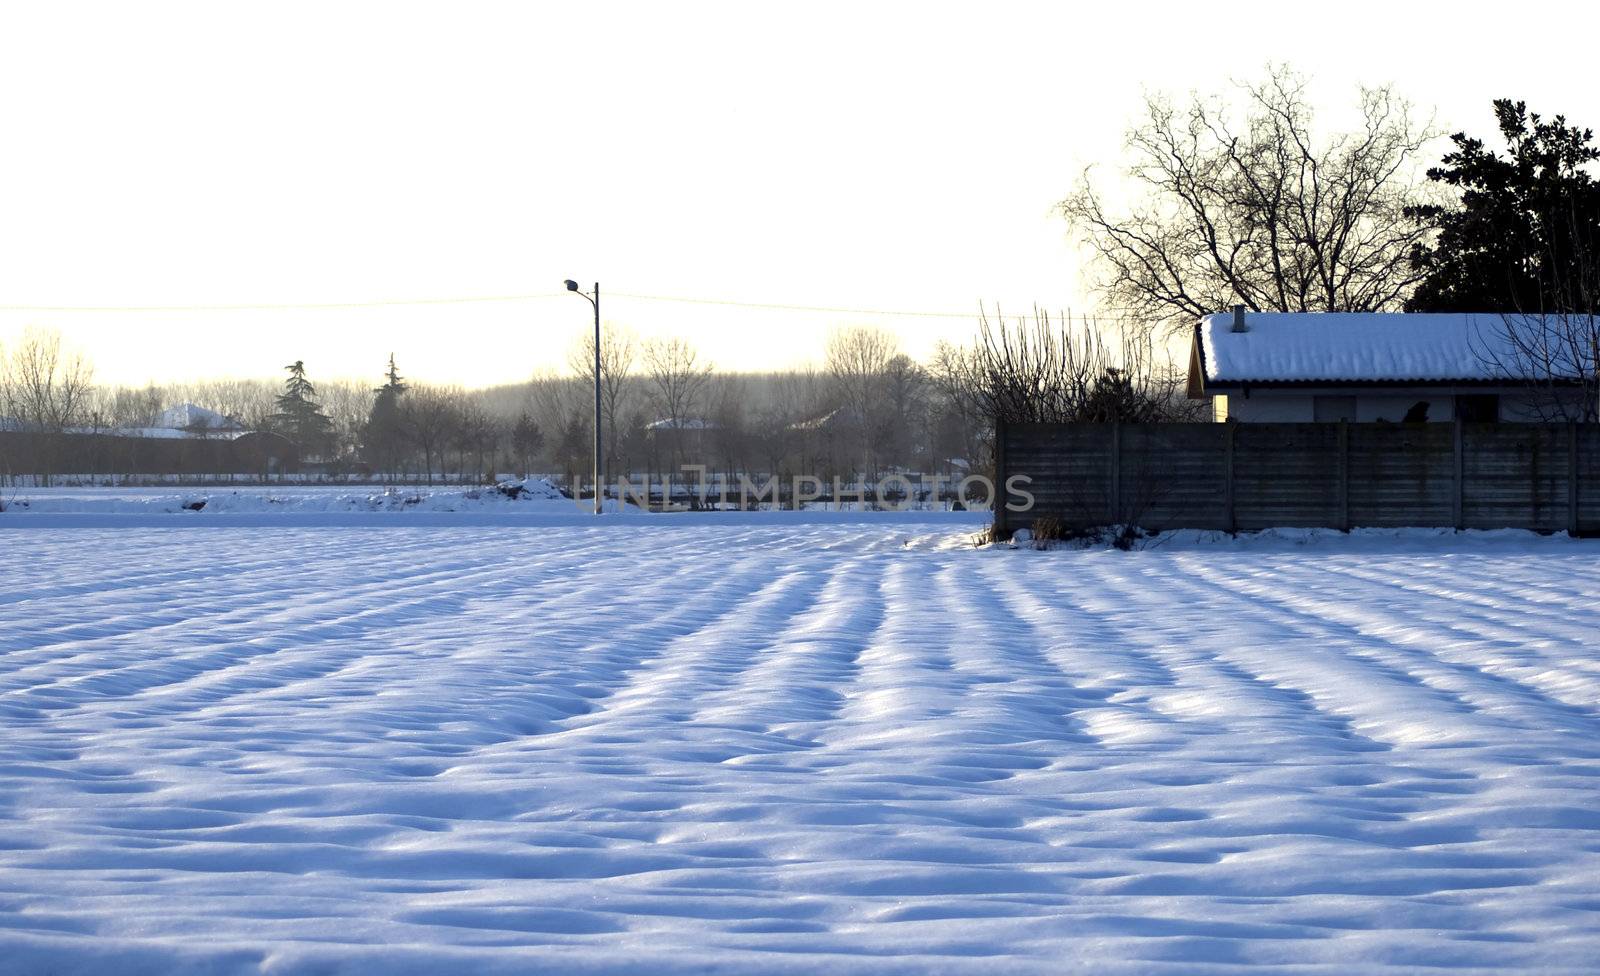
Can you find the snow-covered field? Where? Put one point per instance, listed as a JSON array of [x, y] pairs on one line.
[[699, 744]]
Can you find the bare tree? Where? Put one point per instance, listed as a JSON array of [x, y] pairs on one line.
[[348, 403], [1554, 355], [45, 388], [904, 424], [678, 382], [476, 434], [1261, 213], [857, 360], [251, 402], [964, 421], [617, 351], [573, 442], [564, 411], [773, 425], [46, 392], [132, 407], [526, 442], [728, 436], [1553, 347], [429, 416], [817, 434]]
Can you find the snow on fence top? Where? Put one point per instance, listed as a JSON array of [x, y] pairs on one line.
[[1372, 347]]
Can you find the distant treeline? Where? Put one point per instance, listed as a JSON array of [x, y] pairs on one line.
[[870, 409]]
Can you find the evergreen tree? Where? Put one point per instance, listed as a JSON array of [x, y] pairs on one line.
[[383, 440], [299, 416], [1522, 237], [1114, 398], [393, 383]]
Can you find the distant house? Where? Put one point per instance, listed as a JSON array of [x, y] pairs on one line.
[[685, 437], [1273, 367], [198, 421]]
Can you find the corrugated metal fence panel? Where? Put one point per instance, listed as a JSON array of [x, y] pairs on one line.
[[1588, 478], [1514, 475], [1286, 475], [1174, 476], [1402, 475], [1070, 468]]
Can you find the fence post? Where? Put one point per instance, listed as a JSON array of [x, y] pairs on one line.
[[1456, 506], [998, 500], [1116, 473], [1229, 522], [1344, 476], [1572, 478]]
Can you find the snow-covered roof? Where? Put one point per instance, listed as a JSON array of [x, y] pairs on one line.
[[1349, 347], [164, 432], [685, 423], [187, 416], [161, 433], [830, 419]]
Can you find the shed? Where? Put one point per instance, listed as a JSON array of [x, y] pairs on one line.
[[1289, 367]]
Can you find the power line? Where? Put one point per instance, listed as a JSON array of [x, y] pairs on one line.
[[798, 308], [490, 299], [281, 307], [483, 299]]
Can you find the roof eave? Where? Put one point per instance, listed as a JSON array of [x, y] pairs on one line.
[[1214, 385], [1197, 367]]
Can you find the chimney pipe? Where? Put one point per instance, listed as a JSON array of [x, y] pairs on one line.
[[1238, 319]]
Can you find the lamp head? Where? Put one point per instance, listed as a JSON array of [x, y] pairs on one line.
[[572, 285]]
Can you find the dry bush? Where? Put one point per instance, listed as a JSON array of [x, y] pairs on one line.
[[1048, 530]]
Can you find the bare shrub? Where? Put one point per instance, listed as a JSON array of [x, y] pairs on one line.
[[1063, 370], [1047, 530]]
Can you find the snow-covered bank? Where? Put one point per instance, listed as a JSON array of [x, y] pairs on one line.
[[799, 748], [532, 503], [533, 493], [536, 503]]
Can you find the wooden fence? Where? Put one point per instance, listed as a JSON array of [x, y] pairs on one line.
[[1237, 476]]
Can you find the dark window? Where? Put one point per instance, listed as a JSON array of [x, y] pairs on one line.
[[1332, 409], [1478, 408]]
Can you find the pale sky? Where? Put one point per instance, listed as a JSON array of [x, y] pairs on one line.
[[852, 155]]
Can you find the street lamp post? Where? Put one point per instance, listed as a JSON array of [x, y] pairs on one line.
[[594, 300]]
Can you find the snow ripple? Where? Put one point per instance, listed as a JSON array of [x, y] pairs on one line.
[[812, 748]]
